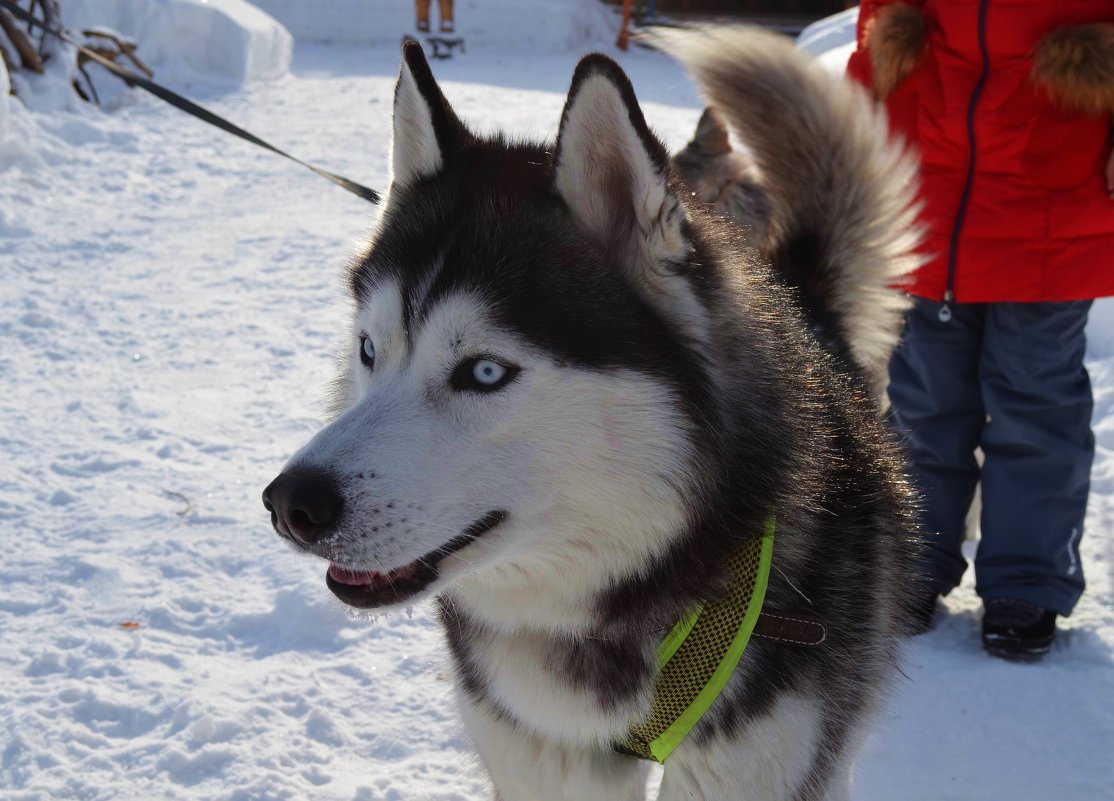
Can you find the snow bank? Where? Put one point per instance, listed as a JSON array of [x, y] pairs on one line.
[[832, 39], [50, 91], [181, 38], [5, 107], [556, 25], [23, 144], [1100, 330]]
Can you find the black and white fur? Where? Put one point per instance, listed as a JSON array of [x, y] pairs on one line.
[[572, 394]]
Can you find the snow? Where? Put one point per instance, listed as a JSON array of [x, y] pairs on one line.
[[170, 304]]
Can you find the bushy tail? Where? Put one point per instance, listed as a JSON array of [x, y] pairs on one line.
[[842, 191]]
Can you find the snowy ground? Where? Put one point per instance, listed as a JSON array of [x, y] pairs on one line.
[[169, 302]]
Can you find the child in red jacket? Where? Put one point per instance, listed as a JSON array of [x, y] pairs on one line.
[[1009, 108]]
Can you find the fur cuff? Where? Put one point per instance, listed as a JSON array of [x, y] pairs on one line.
[[896, 40], [1075, 66]]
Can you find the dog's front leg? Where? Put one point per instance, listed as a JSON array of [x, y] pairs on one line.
[[528, 767]]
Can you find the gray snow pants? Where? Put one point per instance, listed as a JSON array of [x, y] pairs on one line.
[[1009, 378]]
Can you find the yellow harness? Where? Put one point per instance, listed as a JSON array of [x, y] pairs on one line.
[[701, 652]]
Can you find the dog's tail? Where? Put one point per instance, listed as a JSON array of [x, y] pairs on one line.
[[842, 192]]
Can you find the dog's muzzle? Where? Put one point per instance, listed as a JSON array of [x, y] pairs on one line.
[[306, 508]]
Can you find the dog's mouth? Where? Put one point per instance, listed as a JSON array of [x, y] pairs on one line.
[[370, 589]]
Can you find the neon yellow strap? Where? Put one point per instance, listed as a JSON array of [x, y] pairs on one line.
[[677, 635], [690, 681]]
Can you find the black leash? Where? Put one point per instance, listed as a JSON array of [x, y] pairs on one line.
[[132, 78]]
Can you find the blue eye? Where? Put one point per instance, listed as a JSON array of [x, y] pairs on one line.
[[482, 374], [487, 372], [367, 352]]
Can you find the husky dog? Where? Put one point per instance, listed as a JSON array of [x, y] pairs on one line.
[[572, 394], [723, 177]]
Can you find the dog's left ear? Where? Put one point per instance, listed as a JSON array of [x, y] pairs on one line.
[[426, 133], [612, 171], [711, 136]]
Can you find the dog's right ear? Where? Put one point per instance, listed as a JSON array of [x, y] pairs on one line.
[[614, 173], [426, 133]]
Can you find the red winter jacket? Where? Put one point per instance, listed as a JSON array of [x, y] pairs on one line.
[[1009, 105]]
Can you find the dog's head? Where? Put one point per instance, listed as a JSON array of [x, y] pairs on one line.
[[524, 364]]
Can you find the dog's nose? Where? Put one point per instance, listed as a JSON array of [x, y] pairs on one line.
[[304, 504]]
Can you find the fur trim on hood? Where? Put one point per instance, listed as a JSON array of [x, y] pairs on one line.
[[1075, 67], [896, 40]]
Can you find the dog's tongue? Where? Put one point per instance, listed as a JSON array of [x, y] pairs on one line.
[[351, 577], [356, 578]]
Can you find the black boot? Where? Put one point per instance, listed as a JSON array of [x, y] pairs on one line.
[[1017, 630]]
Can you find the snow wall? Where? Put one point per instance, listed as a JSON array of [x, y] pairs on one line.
[[832, 39], [553, 25], [5, 107], [182, 38]]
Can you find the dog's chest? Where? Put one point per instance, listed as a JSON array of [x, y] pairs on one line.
[[578, 689]]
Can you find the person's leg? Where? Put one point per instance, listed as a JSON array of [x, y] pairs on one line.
[[1038, 447], [447, 24], [938, 411], [623, 42], [421, 9]]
